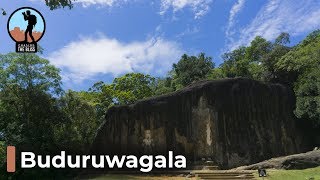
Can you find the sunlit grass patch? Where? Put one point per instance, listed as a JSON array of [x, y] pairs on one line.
[[306, 174]]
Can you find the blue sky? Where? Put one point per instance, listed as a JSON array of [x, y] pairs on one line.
[[102, 39]]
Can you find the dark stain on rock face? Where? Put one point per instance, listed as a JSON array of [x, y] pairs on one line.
[[232, 122]]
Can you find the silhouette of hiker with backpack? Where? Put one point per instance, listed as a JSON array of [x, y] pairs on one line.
[[32, 21]]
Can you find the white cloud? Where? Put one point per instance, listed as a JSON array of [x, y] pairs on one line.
[[199, 7], [108, 3], [189, 31], [293, 16], [236, 8], [87, 57]]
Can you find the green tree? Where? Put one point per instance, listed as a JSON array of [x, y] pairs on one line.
[[163, 86], [235, 64], [216, 73], [307, 89], [301, 66], [77, 133], [269, 60], [303, 56], [2, 153], [55, 4], [27, 108], [257, 60], [242, 62], [29, 72], [126, 89], [100, 96], [258, 48], [191, 68], [132, 87]]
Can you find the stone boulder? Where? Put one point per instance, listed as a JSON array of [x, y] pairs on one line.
[[297, 161], [231, 122]]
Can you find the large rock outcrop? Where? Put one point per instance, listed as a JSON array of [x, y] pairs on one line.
[[306, 160], [233, 122]]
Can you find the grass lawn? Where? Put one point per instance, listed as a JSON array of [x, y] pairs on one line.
[[305, 174]]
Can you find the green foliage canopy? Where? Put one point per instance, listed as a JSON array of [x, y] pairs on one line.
[[27, 110], [192, 68], [302, 64]]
